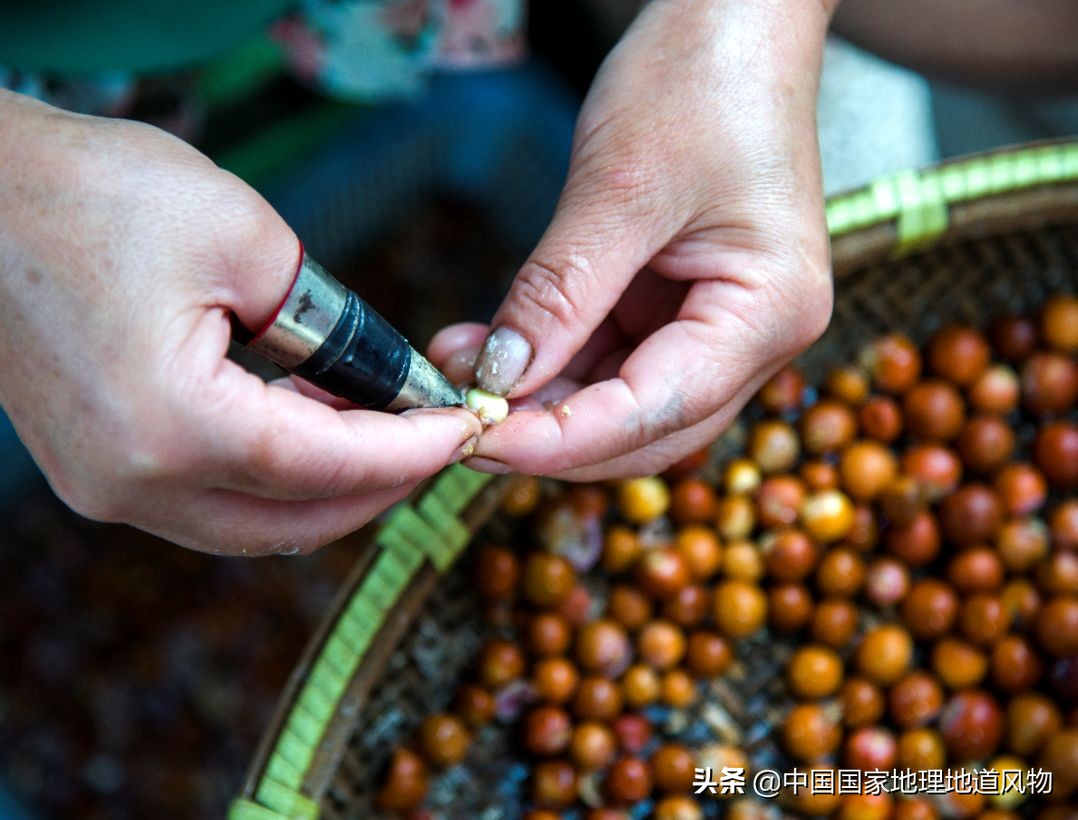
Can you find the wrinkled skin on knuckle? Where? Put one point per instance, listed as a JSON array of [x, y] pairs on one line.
[[555, 289]]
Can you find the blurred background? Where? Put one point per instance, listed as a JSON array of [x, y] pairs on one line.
[[136, 677]]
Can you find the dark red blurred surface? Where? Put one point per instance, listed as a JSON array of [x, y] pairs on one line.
[[136, 676]]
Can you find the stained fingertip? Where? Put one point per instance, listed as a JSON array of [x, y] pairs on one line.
[[466, 450]]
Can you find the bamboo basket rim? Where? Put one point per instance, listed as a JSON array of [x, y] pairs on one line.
[[401, 561]]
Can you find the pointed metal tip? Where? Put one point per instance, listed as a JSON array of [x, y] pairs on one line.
[[425, 386]]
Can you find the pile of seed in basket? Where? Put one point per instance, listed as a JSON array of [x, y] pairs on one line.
[[911, 528]]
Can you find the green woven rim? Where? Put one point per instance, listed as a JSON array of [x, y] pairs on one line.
[[430, 527], [918, 202]]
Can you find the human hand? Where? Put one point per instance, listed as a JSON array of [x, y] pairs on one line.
[[688, 257], [123, 253]]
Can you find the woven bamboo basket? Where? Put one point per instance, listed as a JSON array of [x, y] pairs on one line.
[[960, 242]]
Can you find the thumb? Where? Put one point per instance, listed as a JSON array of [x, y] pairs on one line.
[[259, 255], [595, 245]]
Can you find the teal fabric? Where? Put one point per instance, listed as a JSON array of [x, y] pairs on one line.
[[94, 36]]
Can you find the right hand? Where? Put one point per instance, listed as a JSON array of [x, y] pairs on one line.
[[687, 260], [123, 253]]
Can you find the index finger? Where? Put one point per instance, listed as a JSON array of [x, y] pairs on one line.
[[725, 335]]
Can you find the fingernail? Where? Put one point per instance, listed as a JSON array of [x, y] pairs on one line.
[[488, 465], [448, 413], [501, 365], [466, 450]]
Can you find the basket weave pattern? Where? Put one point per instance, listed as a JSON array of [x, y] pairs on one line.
[[966, 282], [1012, 239]]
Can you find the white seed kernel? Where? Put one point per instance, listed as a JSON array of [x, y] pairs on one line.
[[489, 407]]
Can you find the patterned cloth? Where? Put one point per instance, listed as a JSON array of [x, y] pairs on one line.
[[370, 49], [365, 50]]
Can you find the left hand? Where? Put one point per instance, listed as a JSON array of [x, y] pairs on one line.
[[688, 257], [123, 253]]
